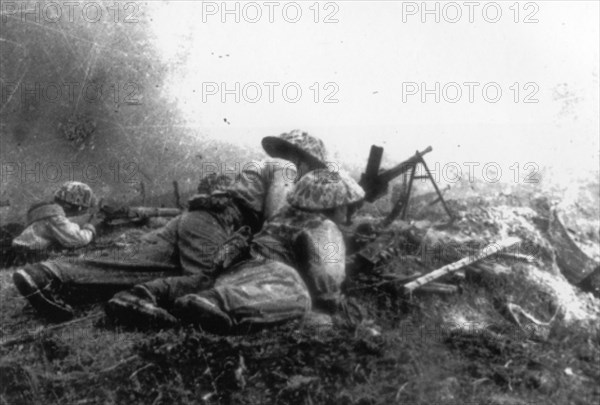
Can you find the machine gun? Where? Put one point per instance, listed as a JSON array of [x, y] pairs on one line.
[[375, 181], [121, 214], [369, 240]]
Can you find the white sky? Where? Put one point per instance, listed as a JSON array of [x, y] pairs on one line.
[[370, 53]]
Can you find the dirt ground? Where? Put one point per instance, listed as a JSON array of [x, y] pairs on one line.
[[386, 348]]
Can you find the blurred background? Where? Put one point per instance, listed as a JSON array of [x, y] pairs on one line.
[[164, 69]]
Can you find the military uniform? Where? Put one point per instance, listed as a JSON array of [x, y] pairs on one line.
[[257, 196], [187, 244], [295, 262], [296, 252], [48, 225], [299, 255]]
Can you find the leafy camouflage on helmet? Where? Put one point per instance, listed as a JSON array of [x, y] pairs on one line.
[[76, 193], [294, 144], [323, 189], [213, 182]]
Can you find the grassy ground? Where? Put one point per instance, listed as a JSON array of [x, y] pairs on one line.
[[430, 349], [416, 359]]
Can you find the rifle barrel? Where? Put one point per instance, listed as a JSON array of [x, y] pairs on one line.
[[155, 211]]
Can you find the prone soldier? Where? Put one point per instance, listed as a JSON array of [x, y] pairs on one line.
[[187, 244], [297, 262], [48, 223]]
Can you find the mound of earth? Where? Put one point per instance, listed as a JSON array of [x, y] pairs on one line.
[[511, 329]]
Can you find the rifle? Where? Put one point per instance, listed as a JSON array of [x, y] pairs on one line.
[[375, 182], [114, 215]]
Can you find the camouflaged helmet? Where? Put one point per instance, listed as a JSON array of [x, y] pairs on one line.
[[76, 193], [213, 182], [297, 143], [323, 189]]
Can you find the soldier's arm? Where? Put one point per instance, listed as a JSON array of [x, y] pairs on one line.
[[69, 234], [322, 254]]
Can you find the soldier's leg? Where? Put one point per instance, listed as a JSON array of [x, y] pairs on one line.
[[45, 284], [257, 293], [154, 257], [39, 285], [159, 246], [149, 303], [199, 236], [166, 290]]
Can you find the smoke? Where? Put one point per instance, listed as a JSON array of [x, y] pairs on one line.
[[547, 72]]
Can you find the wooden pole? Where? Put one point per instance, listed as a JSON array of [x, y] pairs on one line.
[[449, 268], [176, 193]]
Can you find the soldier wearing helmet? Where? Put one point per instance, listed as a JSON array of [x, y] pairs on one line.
[[263, 186], [187, 244], [48, 224], [297, 262]]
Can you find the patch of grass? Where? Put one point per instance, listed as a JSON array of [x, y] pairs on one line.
[[410, 362], [389, 350]]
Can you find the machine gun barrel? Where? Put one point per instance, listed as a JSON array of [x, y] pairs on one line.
[[401, 168], [375, 182]]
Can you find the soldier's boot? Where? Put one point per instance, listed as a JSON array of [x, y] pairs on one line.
[[138, 307], [203, 309], [40, 286]]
